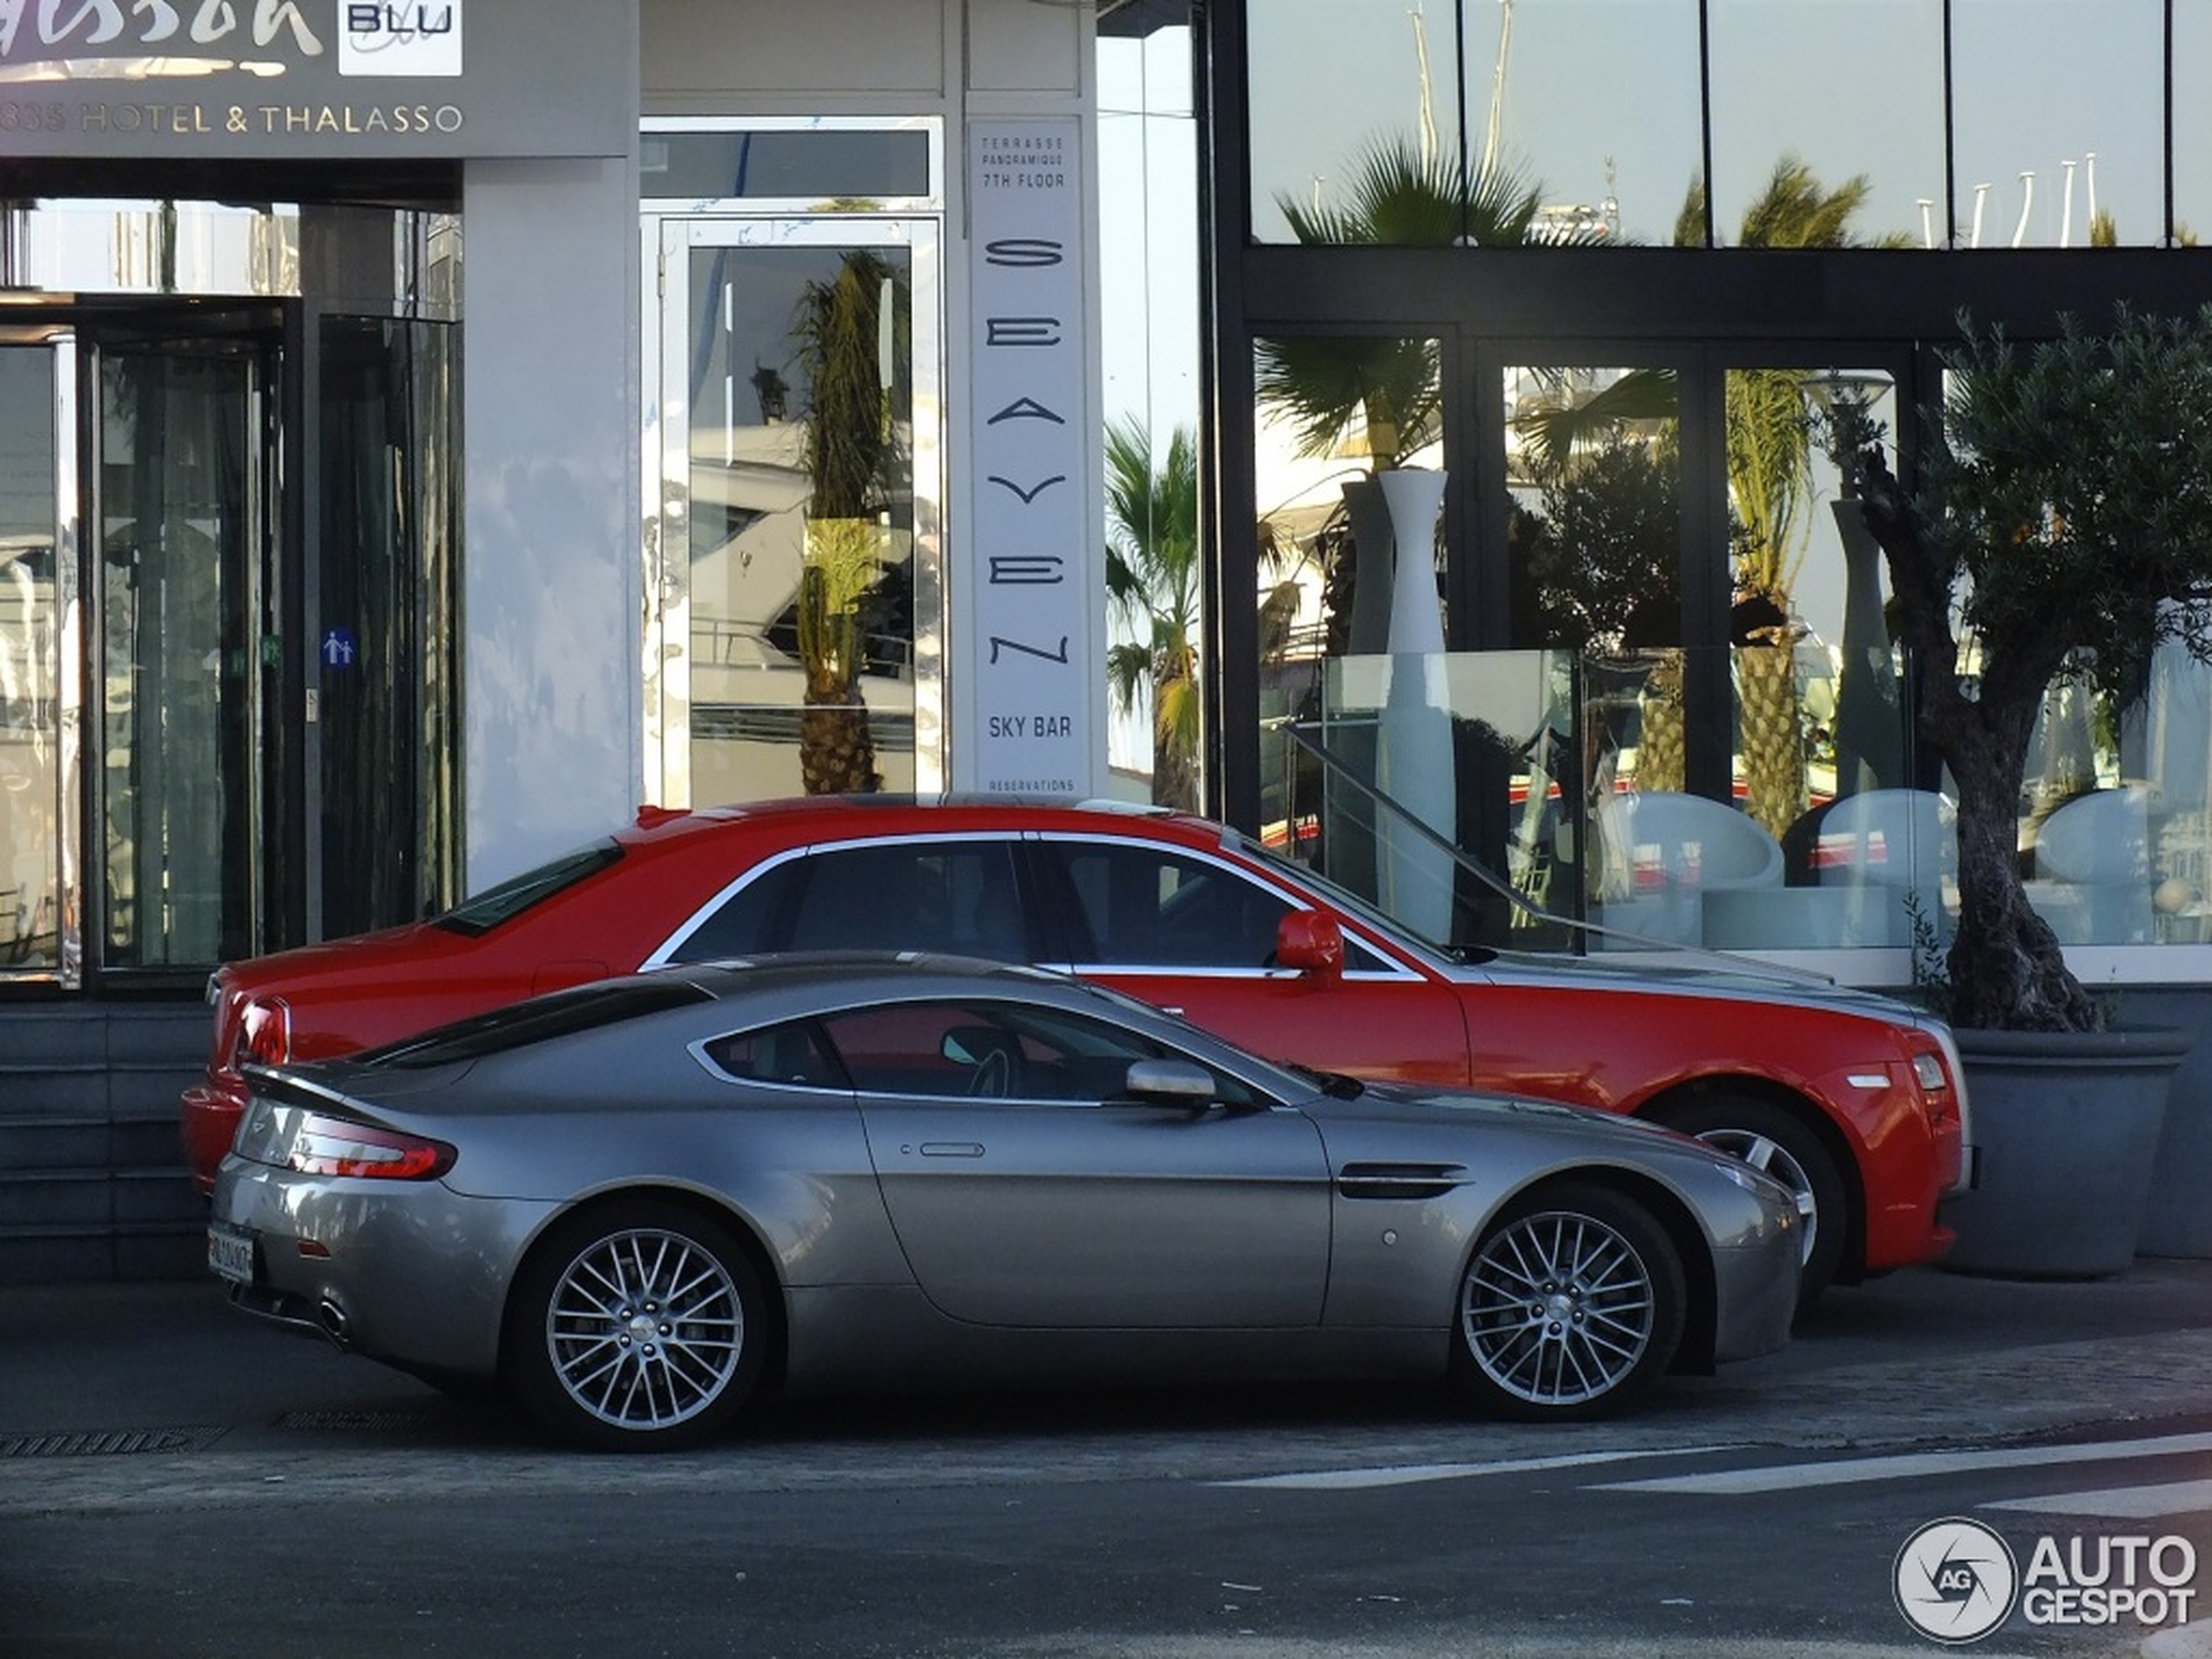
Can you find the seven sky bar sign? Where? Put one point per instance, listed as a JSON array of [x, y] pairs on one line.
[[293, 79], [1031, 683]]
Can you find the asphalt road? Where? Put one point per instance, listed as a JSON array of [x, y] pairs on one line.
[[176, 1480]]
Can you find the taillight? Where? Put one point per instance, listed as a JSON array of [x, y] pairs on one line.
[[322, 1145], [263, 1033]]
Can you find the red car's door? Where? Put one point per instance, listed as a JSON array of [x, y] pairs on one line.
[[1195, 934]]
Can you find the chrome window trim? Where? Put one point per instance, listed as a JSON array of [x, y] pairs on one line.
[[662, 954], [1397, 972]]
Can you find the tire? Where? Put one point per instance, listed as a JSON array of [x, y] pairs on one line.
[[640, 1325], [1572, 1306], [1772, 1141]]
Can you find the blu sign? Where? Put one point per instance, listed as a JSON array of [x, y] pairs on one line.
[[1034, 583], [387, 37]]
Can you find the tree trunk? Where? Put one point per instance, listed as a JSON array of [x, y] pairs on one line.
[[836, 748], [2007, 968], [1773, 752], [1662, 743]]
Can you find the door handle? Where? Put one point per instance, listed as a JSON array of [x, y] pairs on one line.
[[952, 1149]]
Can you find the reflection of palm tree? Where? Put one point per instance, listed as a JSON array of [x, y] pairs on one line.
[[1770, 470], [1386, 390], [851, 450], [1152, 578], [1768, 440]]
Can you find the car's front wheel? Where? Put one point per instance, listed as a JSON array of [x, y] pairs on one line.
[[1572, 1306], [637, 1326]]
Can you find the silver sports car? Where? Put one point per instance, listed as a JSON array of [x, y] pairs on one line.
[[640, 1204]]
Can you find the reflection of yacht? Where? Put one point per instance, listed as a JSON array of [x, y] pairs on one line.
[[749, 491]]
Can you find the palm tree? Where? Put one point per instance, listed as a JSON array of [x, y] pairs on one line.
[[1769, 436], [1152, 580], [1384, 390], [851, 449]]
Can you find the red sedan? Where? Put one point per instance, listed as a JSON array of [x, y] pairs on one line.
[[1851, 1099]]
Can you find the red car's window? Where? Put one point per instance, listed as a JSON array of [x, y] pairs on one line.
[[1150, 906], [957, 896], [512, 897]]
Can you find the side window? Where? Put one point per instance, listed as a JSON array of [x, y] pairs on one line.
[[791, 1054], [747, 922], [997, 1051], [957, 896], [1146, 906]]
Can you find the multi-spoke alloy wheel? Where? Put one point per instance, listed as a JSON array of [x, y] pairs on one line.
[[1774, 1143], [642, 1328], [1570, 1306]]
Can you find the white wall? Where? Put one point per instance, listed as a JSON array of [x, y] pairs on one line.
[[551, 679]]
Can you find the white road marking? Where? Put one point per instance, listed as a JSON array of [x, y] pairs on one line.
[[1405, 1474], [2121, 1503], [1791, 1477]]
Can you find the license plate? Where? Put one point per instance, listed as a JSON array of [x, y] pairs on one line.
[[230, 1253]]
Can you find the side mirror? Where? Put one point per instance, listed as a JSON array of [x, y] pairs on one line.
[[1311, 943], [1175, 1082]]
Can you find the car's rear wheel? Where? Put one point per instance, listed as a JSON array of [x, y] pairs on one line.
[[637, 1326], [1774, 1143], [1572, 1306]]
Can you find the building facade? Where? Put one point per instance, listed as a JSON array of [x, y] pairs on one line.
[[432, 431]]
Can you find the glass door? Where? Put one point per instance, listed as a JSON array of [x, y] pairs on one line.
[[793, 640], [38, 678], [180, 485]]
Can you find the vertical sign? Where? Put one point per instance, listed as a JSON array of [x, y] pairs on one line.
[[1034, 583]]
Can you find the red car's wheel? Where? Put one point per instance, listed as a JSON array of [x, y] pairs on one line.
[[1776, 1143]]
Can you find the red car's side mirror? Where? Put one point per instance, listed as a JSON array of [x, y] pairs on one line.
[[1311, 943]]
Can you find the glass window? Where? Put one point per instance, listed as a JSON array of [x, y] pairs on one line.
[[998, 1051], [2191, 88], [182, 525], [2060, 122], [517, 894], [1593, 104], [1335, 81], [790, 1054], [814, 165], [33, 779], [1789, 137], [795, 479], [956, 896], [1148, 906]]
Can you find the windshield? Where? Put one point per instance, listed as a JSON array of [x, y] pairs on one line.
[[517, 894]]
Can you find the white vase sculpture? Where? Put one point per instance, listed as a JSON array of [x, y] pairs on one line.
[[1414, 764]]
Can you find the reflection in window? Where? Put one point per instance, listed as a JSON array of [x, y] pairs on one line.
[[1596, 103], [32, 774], [2059, 127], [1768, 108], [2191, 88], [1330, 77], [800, 523]]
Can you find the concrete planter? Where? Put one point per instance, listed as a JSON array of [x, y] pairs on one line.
[[2068, 1125]]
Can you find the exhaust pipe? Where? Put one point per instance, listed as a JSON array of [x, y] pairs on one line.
[[335, 1324]]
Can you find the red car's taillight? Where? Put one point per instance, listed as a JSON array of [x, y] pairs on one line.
[[263, 1033], [325, 1145]]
